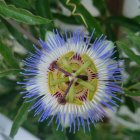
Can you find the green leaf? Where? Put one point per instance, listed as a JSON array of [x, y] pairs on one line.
[[123, 21], [43, 8], [133, 135], [70, 136], [23, 3], [123, 46], [20, 118], [130, 103], [4, 81], [21, 15], [9, 71], [134, 75], [110, 32], [134, 39], [82, 16], [133, 93], [101, 5], [58, 135], [8, 56], [94, 133], [137, 19], [66, 19], [8, 98], [90, 20], [19, 36]]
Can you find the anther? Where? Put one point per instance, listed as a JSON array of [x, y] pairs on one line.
[[53, 66], [62, 99]]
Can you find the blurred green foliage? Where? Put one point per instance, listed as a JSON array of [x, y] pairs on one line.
[[22, 22]]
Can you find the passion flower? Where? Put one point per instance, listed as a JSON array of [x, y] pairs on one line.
[[72, 79]]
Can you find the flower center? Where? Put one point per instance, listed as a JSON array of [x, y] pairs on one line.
[[72, 78]]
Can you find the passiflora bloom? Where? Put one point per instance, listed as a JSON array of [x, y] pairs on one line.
[[72, 80]]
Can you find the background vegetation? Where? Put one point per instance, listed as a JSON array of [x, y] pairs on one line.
[[22, 22]]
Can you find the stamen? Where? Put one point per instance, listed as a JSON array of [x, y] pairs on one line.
[[82, 68], [85, 84], [62, 99], [66, 65], [55, 66], [60, 80]]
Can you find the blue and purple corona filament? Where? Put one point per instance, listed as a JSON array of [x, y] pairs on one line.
[[72, 79]]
